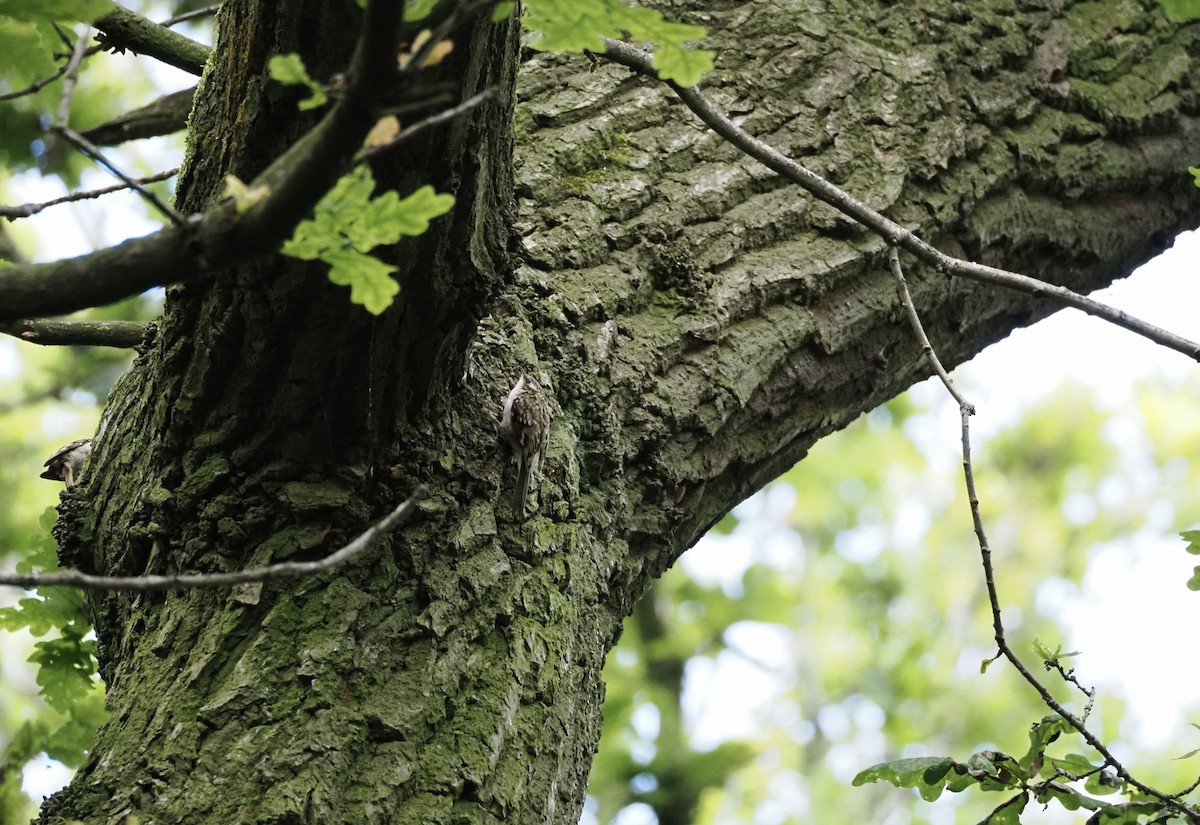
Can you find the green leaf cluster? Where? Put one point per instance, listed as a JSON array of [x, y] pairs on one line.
[[572, 26], [1035, 776], [349, 223], [289, 69]]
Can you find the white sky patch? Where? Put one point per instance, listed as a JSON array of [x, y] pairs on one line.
[[10, 360], [1135, 625]]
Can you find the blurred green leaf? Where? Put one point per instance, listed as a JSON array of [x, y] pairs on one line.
[[1181, 11], [75, 11], [571, 26], [289, 69]]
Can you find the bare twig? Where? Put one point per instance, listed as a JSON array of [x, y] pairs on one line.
[[919, 330], [26, 210], [1068, 675], [62, 128], [70, 75], [88, 148], [60, 332], [433, 120], [191, 581], [889, 230], [191, 15], [1007, 652]]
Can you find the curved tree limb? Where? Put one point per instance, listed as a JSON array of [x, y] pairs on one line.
[[884, 227]]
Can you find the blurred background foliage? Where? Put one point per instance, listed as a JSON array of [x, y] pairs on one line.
[[839, 618]]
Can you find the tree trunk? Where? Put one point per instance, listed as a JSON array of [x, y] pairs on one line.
[[699, 323]]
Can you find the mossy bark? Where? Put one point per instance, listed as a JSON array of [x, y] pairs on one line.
[[700, 325]]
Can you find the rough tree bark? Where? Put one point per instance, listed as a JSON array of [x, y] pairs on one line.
[[700, 324]]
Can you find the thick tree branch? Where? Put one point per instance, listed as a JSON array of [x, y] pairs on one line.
[[125, 30], [191, 581], [60, 332], [221, 236], [164, 116], [884, 227]]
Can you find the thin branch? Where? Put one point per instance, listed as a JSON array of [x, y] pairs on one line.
[[60, 332], [88, 148], [71, 74], [1068, 675], [889, 230], [433, 120], [191, 15], [26, 210], [67, 42], [122, 29], [36, 86], [1007, 652], [62, 127], [919, 330], [191, 581]]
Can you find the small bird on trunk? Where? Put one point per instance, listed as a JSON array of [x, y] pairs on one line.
[[525, 422], [65, 465]]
